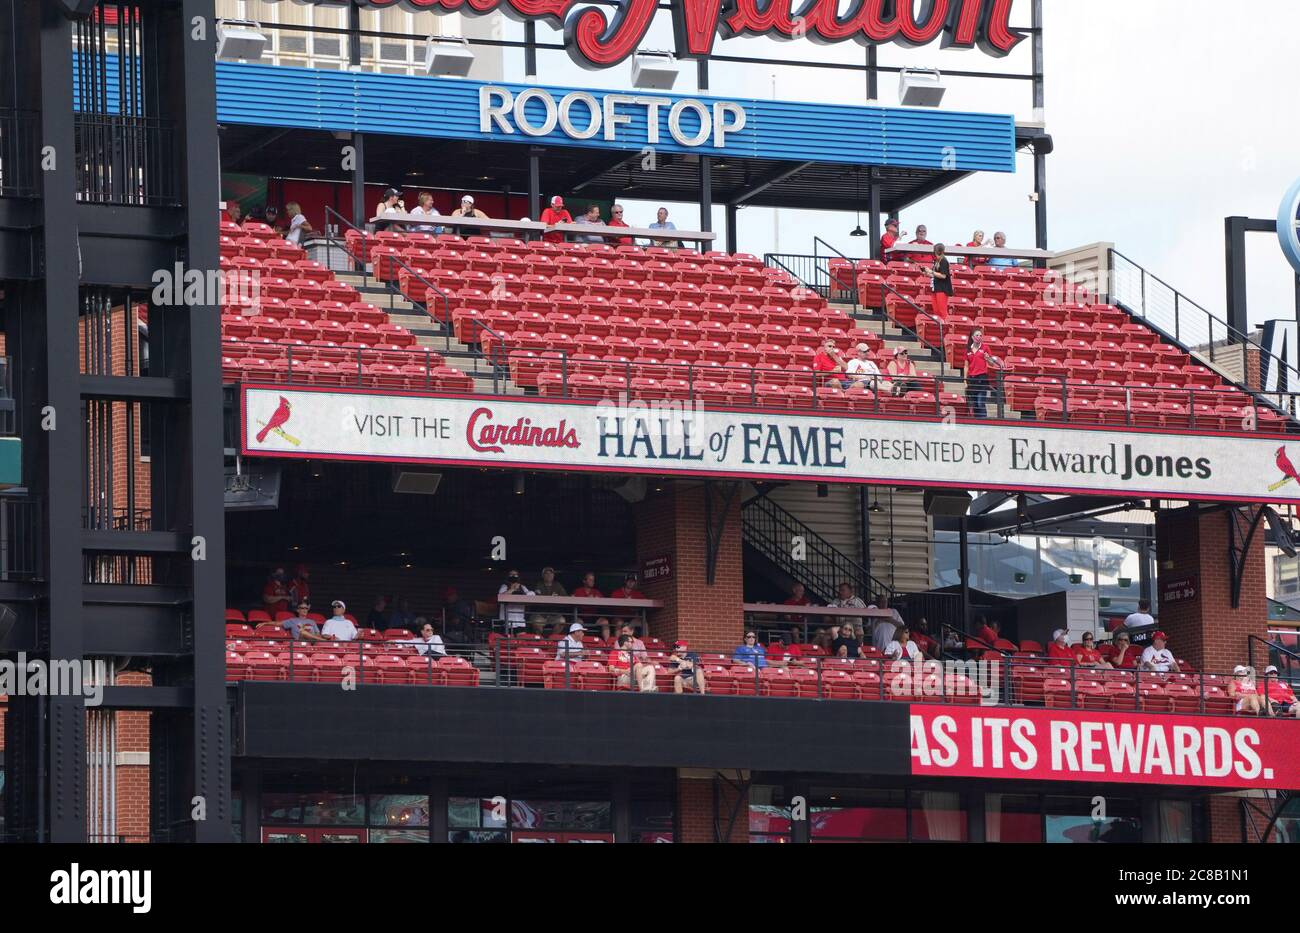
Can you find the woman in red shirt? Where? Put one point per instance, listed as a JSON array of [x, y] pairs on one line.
[[978, 360], [1086, 653]]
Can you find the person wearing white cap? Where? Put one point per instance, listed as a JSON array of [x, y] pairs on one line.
[[338, 627], [1242, 689], [569, 648], [1279, 698], [862, 371], [467, 209], [1060, 648], [555, 214]]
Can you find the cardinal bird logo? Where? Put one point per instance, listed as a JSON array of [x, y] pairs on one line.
[[1288, 470], [280, 416]]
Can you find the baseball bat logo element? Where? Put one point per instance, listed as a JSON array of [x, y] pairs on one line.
[[1284, 464], [278, 418]]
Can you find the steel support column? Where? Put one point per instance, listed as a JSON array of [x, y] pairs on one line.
[[535, 183], [358, 181], [706, 194], [731, 228]]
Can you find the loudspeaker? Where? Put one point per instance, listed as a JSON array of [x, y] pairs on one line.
[[633, 490], [419, 484], [655, 70], [76, 9], [946, 502]]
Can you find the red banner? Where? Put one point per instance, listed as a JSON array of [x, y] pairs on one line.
[[1091, 745]]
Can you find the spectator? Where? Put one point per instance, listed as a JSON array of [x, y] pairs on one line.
[[889, 237], [300, 585], [778, 650], [271, 217], [841, 652], [1141, 617], [401, 616], [459, 614], [298, 223], [1000, 241], [378, 618], [988, 632], [902, 648], [513, 614], [940, 282], [882, 631], [616, 220], [920, 634], [847, 642], [622, 665], [1281, 699], [1157, 657], [428, 643], [467, 209], [821, 639], [798, 597], [862, 371], [685, 665], [1060, 649], [920, 236], [1125, 655], [569, 648], [391, 203], [642, 670], [828, 363], [978, 360], [549, 586], [556, 214], [1243, 691], [275, 594], [339, 627], [845, 599], [591, 217], [425, 208], [235, 213], [977, 239], [750, 651], [663, 223], [588, 591], [906, 377], [301, 627], [628, 590], [1086, 653]]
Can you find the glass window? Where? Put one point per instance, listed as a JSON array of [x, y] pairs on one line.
[[314, 809], [1177, 821], [286, 837], [580, 816], [399, 835], [769, 813], [651, 819], [399, 810], [1012, 818], [938, 816], [476, 812], [850, 814], [1079, 820]]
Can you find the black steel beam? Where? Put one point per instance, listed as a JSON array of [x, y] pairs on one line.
[[594, 169], [147, 698], [763, 182], [137, 542], [1065, 507], [134, 388]]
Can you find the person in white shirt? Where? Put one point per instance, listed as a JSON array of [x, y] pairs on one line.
[[902, 648], [1157, 657], [882, 633], [862, 371], [1141, 617], [299, 226], [846, 600], [339, 627], [513, 615], [569, 648], [425, 209], [429, 644]]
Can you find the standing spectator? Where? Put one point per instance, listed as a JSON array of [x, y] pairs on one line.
[[848, 641], [1086, 653], [882, 632], [300, 585], [467, 209], [977, 239], [862, 371], [513, 615], [920, 236], [378, 618], [750, 651], [1243, 691], [1141, 617], [616, 220], [592, 217], [845, 599], [556, 214], [828, 363], [1000, 241], [275, 594], [425, 208], [889, 237], [1157, 657], [299, 226], [549, 586], [428, 643], [902, 648], [978, 360], [338, 627], [663, 223], [1281, 699], [906, 377], [569, 648], [940, 282], [687, 673], [1060, 649], [1125, 655], [798, 597], [301, 627], [588, 591]]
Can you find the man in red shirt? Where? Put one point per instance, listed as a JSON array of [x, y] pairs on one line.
[[628, 590], [889, 237], [300, 586], [1060, 649], [275, 595], [555, 214], [920, 237], [616, 220], [1086, 653], [921, 635], [828, 362], [588, 591], [988, 631], [1281, 698]]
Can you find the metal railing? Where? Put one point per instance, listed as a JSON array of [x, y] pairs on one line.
[[1283, 658], [22, 545], [769, 529], [18, 153], [126, 160]]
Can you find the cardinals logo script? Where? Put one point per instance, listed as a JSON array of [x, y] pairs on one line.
[[276, 424]]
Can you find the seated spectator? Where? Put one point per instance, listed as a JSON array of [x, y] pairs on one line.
[[863, 372], [750, 652], [459, 614], [555, 214], [1244, 693], [988, 632], [1141, 617], [588, 591], [1125, 655], [798, 597], [663, 223], [391, 203], [400, 616], [428, 643], [641, 666], [1157, 657], [235, 213], [299, 226], [821, 639], [549, 586], [882, 630], [271, 217], [848, 640], [920, 634], [569, 648], [302, 628], [378, 618], [1281, 699], [513, 614], [624, 668], [1086, 653], [977, 239], [616, 220], [845, 599], [467, 209], [628, 590], [338, 627], [1060, 649], [275, 594], [920, 240], [687, 672], [828, 364], [779, 651], [592, 216], [889, 237], [300, 585], [841, 652], [902, 648], [425, 208], [905, 377], [1000, 241]]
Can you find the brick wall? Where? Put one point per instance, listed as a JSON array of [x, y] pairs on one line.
[[696, 803]]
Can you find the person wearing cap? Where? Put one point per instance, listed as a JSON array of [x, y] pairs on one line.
[[275, 594], [513, 614], [905, 376], [1086, 653], [1157, 657], [1059, 649], [628, 590], [555, 214], [688, 674], [549, 586], [863, 372], [749, 651], [828, 364], [1126, 655], [302, 627], [1281, 699], [1000, 241], [1244, 693], [889, 237], [467, 209], [390, 203], [569, 648], [338, 627]]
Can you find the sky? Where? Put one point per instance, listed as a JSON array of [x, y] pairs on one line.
[[1167, 117]]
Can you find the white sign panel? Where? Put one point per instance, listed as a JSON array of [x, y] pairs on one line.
[[676, 438]]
